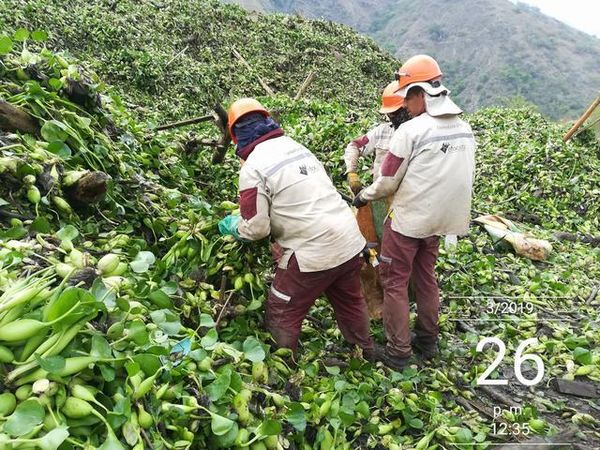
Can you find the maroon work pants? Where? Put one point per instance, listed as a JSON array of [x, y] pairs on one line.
[[403, 257], [294, 292]]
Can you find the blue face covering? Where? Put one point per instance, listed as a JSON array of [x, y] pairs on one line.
[[252, 127]]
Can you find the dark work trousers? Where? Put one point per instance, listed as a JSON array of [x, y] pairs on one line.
[[403, 257], [293, 293]]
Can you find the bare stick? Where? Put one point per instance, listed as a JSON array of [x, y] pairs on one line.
[[245, 63], [223, 310], [222, 288], [12, 215], [498, 396], [146, 438], [175, 57], [183, 123], [582, 119], [309, 79]]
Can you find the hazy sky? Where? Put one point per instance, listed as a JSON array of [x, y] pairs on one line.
[[581, 14]]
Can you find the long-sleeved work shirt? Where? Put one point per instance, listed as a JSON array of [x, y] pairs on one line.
[[377, 140], [429, 170], [285, 192]]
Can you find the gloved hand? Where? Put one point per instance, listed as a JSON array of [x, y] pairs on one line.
[[354, 182], [229, 226], [358, 201]]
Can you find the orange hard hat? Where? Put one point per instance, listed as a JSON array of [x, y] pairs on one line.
[[240, 108], [390, 100], [418, 68]]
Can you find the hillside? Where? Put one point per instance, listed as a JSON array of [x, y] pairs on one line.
[[175, 58], [140, 326], [491, 51]]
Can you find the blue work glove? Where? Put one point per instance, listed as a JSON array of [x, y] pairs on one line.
[[359, 202], [229, 226]]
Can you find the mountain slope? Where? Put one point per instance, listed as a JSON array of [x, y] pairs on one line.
[[491, 51]]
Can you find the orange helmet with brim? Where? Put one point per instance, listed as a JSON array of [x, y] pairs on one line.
[[417, 68], [390, 100], [240, 108]]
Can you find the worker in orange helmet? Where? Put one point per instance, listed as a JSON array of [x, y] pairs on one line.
[[370, 219], [285, 192], [429, 171], [377, 140]]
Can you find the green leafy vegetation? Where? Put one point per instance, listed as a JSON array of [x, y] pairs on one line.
[[139, 326], [174, 58]]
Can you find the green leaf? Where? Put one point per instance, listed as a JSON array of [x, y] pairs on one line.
[[347, 416], [335, 423], [132, 368], [269, 427], [332, 370], [59, 148], [464, 436], [67, 233], [3, 202], [582, 355], [206, 321], [102, 293], [111, 442], [296, 416], [13, 233], [416, 423], [142, 262], [210, 339], [6, 44], [225, 441], [166, 320], [131, 432], [12, 258], [66, 300], [253, 349], [220, 425], [100, 348], [254, 305], [41, 225], [148, 362], [236, 382], [25, 418], [51, 364], [169, 288], [363, 409], [53, 439], [21, 35], [138, 333], [55, 84], [198, 355], [120, 413], [572, 342], [53, 130], [39, 36], [160, 299], [340, 385], [108, 373], [219, 386]]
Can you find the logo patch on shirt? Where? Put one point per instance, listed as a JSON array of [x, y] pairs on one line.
[[303, 170], [447, 148]]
